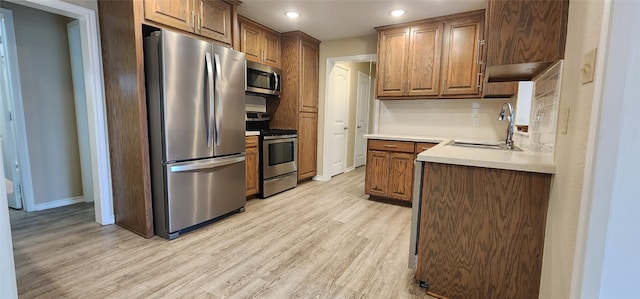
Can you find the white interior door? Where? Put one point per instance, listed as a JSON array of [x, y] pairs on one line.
[[7, 117], [338, 100], [80, 101], [362, 118]]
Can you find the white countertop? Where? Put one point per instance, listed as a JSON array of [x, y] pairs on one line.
[[405, 138], [251, 133], [491, 158], [469, 156]]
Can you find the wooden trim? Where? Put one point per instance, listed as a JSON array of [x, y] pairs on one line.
[[431, 20]]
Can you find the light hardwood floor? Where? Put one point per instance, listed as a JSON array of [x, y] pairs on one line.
[[320, 240]]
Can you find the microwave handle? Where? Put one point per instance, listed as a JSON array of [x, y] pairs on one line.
[[277, 80]]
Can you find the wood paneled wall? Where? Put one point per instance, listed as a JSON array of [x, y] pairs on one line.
[[482, 231], [123, 66]]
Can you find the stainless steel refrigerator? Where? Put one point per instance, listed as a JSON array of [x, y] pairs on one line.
[[195, 101]]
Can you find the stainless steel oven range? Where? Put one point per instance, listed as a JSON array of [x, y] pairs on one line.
[[278, 155]]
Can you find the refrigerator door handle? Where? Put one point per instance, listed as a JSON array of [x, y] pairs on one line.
[[218, 101], [210, 100], [207, 164]]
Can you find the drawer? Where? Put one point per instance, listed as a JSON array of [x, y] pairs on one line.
[[251, 141], [423, 146], [391, 146]]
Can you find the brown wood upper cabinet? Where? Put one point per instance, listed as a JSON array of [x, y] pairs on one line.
[[259, 43], [431, 58], [524, 37], [209, 18]]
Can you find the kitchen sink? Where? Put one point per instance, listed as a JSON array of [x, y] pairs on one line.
[[487, 145]]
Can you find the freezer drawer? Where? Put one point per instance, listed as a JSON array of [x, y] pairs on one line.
[[202, 190]]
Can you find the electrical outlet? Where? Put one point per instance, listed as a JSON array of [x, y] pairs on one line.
[[588, 66]]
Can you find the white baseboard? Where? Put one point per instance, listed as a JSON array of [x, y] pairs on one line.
[[321, 178], [349, 169], [58, 203]]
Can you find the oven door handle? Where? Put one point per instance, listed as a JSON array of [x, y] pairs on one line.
[[279, 137]]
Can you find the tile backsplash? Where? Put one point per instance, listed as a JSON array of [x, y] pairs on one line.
[[460, 119], [544, 110]]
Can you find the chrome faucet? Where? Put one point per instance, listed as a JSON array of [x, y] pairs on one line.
[[510, 118]]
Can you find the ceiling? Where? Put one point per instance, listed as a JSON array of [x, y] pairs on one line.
[[336, 19]]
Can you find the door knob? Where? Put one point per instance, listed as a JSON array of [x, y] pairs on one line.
[[346, 128], [359, 127]]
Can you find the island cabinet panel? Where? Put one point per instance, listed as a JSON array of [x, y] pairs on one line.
[[252, 166], [524, 37], [482, 231], [431, 58]]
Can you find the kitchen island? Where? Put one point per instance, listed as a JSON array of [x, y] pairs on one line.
[[479, 219]]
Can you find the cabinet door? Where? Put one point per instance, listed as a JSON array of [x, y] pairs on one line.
[[215, 16], [401, 175], [174, 13], [307, 138], [271, 49], [252, 166], [377, 173], [526, 31], [250, 38], [391, 73], [423, 65], [308, 77], [460, 64]]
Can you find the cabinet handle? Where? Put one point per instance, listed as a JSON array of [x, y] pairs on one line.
[[198, 18], [193, 20], [390, 146], [479, 81], [480, 48]]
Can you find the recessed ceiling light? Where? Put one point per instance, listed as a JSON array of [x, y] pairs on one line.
[[397, 12], [292, 14]]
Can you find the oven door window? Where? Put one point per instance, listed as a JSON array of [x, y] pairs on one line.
[[281, 152]]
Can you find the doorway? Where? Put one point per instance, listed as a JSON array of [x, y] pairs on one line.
[[349, 100], [98, 170]]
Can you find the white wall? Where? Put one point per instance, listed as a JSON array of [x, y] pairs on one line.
[[458, 119], [47, 91], [355, 67], [583, 34], [8, 288], [337, 48], [607, 262]]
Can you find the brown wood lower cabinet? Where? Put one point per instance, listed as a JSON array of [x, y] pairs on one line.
[[252, 166], [482, 231], [307, 141], [389, 171]]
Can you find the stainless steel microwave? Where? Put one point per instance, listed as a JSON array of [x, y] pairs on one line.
[[263, 79]]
